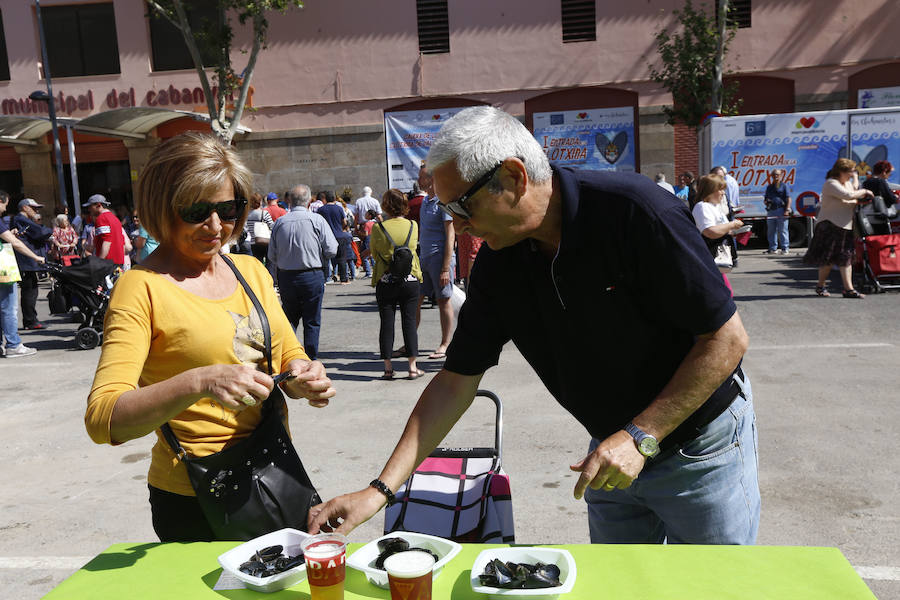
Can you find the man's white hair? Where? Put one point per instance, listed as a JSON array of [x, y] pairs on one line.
[[479, 137], [367, 191]]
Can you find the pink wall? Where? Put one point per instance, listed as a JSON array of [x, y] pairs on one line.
[[341, 62]]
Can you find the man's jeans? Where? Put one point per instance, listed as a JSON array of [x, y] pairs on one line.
[[777, 230], [705, 492], [9, 320], [302, 293]]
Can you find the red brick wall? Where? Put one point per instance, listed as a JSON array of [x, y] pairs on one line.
[[687, 156]]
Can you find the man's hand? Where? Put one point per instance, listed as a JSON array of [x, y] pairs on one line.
[[445, 278], [345, 513], [310, 382], [614, 464]]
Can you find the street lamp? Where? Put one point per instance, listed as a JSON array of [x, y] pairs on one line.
[[48, 98]]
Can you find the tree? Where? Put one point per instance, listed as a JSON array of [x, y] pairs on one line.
[[693, 65], [214, 39]]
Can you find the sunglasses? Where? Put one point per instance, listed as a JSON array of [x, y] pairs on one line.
[[229, 210], [459, 208]]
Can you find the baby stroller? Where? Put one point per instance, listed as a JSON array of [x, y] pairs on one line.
[[85, 284], [461, 494], [877, 247]]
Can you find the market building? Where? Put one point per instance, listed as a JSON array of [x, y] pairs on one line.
[[334, 70]]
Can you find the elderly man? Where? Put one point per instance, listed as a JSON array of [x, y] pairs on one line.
[[364, 204], [300, 247], [35, 236], [648, 359]]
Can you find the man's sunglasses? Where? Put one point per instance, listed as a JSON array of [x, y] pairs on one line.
[[229, 210], [459, 208]]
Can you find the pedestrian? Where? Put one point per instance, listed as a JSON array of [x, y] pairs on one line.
[[9, 318], [659, 386], [366, 203], [365, 236], [64, 239], [416, 196], [182, 339], [711, 223], [436, 256], [109, 236], [392, 292], [344, 255], [687, 191], [832, 244], [333, 213], [259, 228], [878, 183], [660, 180], [318, 203], [35, 237], [777, 199], [301, 246], [143, 242], [275, 211], [732, 190]]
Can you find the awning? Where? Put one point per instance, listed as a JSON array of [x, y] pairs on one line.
[[132, 123]]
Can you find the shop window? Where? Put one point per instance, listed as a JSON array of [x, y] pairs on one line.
[[579, 21], [4, 58], [169, 52], [81, 39], [434, 26]]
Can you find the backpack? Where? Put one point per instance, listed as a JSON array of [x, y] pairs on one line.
[[401, 262]]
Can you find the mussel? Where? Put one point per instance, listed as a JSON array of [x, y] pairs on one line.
[[393, 545], [266, 562], [510, 575]]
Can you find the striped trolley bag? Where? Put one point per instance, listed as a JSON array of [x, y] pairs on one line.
[[460, 494]]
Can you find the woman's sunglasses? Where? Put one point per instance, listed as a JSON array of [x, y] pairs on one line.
[[229, 210]]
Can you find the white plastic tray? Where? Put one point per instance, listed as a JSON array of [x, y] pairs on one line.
[[290, 539], [559, 557], [364, 558]]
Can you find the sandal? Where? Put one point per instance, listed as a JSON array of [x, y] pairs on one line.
[[388, 376], [416, 374], [853, 294], [821, 291]]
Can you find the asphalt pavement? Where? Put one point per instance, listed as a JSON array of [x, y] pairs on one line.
[[824, 374]]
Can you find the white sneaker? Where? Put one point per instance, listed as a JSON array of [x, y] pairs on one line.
[[20, 350]]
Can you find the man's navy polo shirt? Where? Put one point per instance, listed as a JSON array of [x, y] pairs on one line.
[[609, 320]]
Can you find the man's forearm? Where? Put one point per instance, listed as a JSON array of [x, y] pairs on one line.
[[448, 244], [441, 405], [104, 249], [711, 360]]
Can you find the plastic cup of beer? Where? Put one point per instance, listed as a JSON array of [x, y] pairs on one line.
[[325, 556], [409, 575]]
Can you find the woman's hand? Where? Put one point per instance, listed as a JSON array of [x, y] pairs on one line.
[[310, 382], [737, 224], [235, 386]]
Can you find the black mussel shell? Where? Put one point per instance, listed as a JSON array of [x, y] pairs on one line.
[[293, 561], [512, 575], [251, 567], [270, 553], [543, 576], [394, 544]]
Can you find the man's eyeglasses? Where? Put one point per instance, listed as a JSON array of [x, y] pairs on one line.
[[228, 210], [459, 208]]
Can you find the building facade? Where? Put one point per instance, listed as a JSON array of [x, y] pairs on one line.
[[331, 70]]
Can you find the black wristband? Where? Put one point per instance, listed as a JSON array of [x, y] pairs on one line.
[[384, 489]]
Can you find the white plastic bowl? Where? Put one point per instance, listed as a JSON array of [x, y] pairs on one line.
[[290, 539], [561, 558], [364, 558]]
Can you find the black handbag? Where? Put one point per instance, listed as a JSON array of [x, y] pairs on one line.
[[257, 485]]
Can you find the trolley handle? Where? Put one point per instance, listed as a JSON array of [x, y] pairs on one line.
[[498, 425]]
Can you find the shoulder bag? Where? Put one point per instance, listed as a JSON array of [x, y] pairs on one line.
[[258, 484], [9, 267]]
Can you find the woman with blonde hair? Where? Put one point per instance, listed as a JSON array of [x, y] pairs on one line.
[[832, 243], [186, 349], [714, 226]]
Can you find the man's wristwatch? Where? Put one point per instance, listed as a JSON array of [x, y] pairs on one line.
[[646, 443]]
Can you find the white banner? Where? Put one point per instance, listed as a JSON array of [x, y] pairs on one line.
[[878, 97], [408, 135]]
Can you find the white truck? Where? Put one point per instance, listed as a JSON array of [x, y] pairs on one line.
[[805, 145]]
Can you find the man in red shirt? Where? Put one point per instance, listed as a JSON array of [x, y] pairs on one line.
[[109, 238], [272, 207]]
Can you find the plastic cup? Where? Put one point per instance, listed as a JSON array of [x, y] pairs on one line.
[[325, 556], [409, 575]]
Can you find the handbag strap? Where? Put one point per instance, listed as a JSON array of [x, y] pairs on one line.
[[166, 429], [391, 240]]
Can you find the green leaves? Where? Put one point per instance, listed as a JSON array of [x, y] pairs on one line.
[[689, 59]]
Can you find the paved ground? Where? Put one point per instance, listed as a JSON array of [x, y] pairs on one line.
[[824, 374]]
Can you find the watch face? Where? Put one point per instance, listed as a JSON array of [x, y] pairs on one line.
[[648, 446]]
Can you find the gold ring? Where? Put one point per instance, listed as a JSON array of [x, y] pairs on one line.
[[609, 486], [249, 400]]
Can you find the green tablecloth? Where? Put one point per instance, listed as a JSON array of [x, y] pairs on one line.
[[188, 571]]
